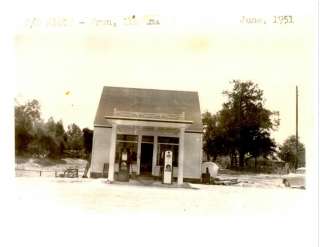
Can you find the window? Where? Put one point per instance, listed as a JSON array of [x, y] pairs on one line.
[[129, 138], [147, 139], [168, 144], [128, 143], [164, 139]]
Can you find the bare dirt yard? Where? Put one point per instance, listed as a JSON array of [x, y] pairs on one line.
[[82, 212], [31, 167], [193, 199], [258, 211]]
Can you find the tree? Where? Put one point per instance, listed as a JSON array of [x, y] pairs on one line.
[[74, 137], [26, 118], [36, 137], [55, 131], [87, 144], [87, 140], [288, 153], [246, 122], [61, 136], [262, 144], [213, 136], [49, 139], [39, 146]]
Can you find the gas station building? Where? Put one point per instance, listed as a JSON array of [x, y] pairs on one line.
[[146, 123]]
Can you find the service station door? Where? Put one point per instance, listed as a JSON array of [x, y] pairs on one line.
[[167, 171]]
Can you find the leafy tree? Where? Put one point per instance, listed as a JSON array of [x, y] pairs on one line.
[[55, 131], [74, 137], [37, 137], [61, 137], [246, 122], [213, 136], [262, 144], [49, 139], [87, 144], [26, 118], [288, 153], [87, 140], [33, 135], [39, 146]]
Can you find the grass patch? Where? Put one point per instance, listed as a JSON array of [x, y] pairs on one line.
[[49, 162], [21, 159]]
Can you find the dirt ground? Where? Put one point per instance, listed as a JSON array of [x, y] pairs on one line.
[[195, 199], [254, 194], [30, 167], [199, 213], [258, 211]]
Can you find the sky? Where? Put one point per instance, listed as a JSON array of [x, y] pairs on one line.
[[197, 47]]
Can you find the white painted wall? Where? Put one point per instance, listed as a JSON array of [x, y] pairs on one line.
[[192, 155], [100, 148]]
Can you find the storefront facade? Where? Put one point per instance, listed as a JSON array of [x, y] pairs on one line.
[[146, 123]]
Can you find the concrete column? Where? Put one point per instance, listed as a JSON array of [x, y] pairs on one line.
[[181, 156], [112, 151], [139, 154], [154, 155]]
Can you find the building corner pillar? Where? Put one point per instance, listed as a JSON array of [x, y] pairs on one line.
[[139, 154], [112, 152], [154, 156], [181, 156]]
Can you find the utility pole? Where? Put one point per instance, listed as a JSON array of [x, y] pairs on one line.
[[297, 136]]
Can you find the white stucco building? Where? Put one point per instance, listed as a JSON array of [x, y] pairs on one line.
[[147, 122]]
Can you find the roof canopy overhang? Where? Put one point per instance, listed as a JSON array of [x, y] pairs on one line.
[[148, 122], [136, 104]]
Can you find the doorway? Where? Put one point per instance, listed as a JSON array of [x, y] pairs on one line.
[[146, 159]]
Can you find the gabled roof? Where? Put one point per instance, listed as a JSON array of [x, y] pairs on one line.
[[149, 101]]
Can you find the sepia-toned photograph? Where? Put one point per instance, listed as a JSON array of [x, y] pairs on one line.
[[193, 119]]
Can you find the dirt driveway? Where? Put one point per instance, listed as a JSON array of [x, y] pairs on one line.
[[86, 212], [196, 199]]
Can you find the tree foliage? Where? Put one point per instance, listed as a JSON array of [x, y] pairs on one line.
[[287, 152], [26, 118], [214, 140], [87, 140], [36, 137], [242, 127], [74, 136]]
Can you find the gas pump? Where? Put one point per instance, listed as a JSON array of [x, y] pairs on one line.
[[124, 166], [167, 170]]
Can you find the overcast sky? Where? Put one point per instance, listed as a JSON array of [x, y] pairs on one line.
[[199, 49]]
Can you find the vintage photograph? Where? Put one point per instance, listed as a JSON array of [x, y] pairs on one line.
[[169, 111]]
